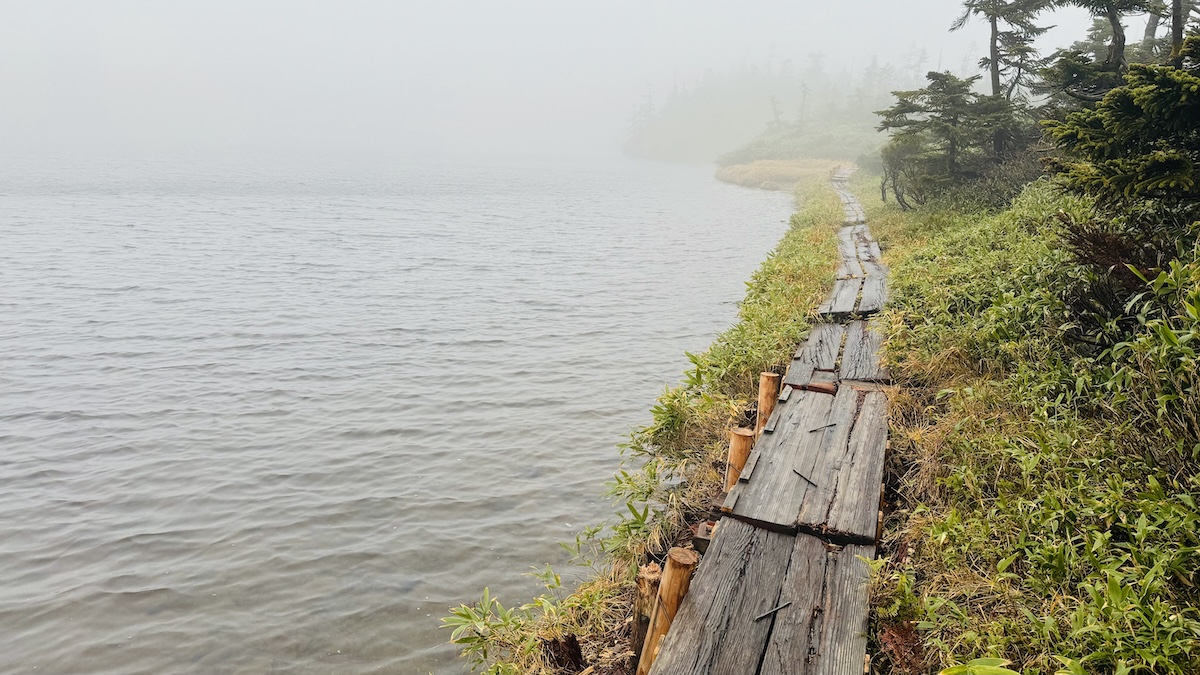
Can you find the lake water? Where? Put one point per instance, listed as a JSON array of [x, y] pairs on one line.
[[277, 418]]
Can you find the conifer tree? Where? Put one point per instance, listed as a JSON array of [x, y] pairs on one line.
[[1137, 154], [1010, 46], [944, 135]]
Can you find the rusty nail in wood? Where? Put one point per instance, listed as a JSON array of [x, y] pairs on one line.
[[763, 616], [810, 481]]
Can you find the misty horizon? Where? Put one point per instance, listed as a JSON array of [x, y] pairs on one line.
[[449, 81]]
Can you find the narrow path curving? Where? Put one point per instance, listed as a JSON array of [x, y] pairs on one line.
[[783, 587]]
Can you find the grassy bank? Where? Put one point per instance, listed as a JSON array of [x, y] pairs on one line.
[[777, 174], [1042, 491], [672, 468]]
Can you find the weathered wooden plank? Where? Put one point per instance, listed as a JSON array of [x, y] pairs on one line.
[[825, 466], [875, 251], [844, 622], [860, 358], [781, 421], [798, 375], [849, 269], [823, 381], [874, 295], [772, 495], [751, 463], [791, 648], [842, 299], [847, 249], [856, 508], [716, 630], [827, 634], [773, 420], [823, 345], [874, 269], [819, 472], [863, 251]]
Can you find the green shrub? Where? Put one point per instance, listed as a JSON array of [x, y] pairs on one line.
[[1044, 510]]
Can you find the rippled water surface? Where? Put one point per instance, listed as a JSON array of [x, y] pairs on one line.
[[277, 418]]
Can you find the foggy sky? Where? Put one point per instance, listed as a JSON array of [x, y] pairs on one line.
[[441, 77]]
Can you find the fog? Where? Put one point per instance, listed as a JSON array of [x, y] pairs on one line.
[[442, 79]]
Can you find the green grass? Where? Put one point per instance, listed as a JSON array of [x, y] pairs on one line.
[[672, 468], [1044, 497]]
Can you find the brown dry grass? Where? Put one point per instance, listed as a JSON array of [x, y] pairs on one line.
[[774, 174]]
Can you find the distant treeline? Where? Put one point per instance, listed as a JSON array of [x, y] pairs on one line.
[[771, 111]]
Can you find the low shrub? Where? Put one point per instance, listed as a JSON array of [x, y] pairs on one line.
[[1043, 494]]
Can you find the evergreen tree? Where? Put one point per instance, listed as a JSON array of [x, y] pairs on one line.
[[944, 135], [1114, 12], [1142, 142], [1010, 46], [1087, 70], [1137, 154]]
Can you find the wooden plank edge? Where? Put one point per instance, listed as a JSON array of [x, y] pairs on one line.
[[835, 537]]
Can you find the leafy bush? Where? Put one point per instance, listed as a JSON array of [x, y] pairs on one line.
[[1040, 516]]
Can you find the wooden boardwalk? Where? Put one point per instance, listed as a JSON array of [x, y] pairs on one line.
[[783, 586]]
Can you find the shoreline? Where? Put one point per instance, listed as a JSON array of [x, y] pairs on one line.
[[773, 174], [673, 469]]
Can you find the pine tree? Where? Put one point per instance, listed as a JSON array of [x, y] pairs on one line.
[[1010, 46], [1142, 141], [944, 135], [1114, 11], [1137, 154]]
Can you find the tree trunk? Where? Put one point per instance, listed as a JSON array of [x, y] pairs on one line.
[[1116, 50], [1152, 23], [1012, 86], [994, 54], [952, 152], [1177, 21]]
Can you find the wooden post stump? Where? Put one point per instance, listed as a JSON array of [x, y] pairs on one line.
[[741, 441], [676, 579], [648, 579], [768, 394]]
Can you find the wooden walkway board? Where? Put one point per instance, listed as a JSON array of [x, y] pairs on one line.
[[828, 637], [783, 588], [738, 581], [769, 491], [817, 472], [860, 359], [874, 295], [823, 345], [843, 299], [847, 248], [798, 376], [850, 269], [819, 352], [859, 496], [770, 603]]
